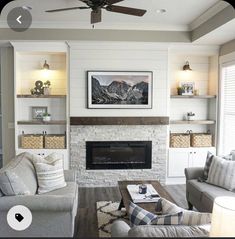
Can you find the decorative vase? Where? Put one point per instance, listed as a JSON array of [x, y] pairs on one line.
[[46, 118], [47, 91]]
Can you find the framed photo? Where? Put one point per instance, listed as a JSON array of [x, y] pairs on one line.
[[120, 90], [187, 88], [38, 111]]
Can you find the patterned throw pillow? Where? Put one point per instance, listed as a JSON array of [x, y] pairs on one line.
[[139, 216], [222, 173], [170, 219], [209, 159], [50, 173], [188, 218]]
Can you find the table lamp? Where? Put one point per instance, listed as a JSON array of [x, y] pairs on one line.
[[223, 217]]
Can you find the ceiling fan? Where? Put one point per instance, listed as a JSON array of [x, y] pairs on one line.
[[97, 5]]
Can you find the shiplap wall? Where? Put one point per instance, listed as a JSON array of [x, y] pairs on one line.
[[109, 56]]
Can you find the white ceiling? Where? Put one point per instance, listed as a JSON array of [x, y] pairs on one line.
[[179, 16]]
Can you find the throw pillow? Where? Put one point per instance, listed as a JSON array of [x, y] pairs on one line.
[[170, 219], [1, 194], [222, 173], [50, 173], [188, 217], [209, 159], [18, 177], [139, 216]]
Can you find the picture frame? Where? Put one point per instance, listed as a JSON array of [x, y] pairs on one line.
[[38, 111], [187, 88], [120, 89]]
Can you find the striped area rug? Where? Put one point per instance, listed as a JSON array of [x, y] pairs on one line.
[[107, 213]]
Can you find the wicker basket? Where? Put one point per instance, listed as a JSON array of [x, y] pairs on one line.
[[201, 140], [31, 141], [180, 140], [55, 141]]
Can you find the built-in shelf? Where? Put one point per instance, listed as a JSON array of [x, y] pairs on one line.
[[193, 96], [206, 122], [41, 96], [39, 122]]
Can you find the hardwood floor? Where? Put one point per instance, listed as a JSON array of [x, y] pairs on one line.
[[87, 225]]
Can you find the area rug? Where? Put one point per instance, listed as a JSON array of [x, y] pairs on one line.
[[107, 214]]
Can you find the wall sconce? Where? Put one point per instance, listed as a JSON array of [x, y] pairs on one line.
[[187, 67], [46, 66]]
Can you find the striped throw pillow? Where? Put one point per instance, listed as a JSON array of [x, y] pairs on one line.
[[50, 173], [188, 218], [170, 219], [139, 216], [222, 173], [209, 159]]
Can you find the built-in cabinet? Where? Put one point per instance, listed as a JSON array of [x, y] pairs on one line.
[[29, 69], [204, 75], [181, 158]]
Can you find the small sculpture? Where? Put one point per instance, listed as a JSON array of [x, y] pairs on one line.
[[38, 89]]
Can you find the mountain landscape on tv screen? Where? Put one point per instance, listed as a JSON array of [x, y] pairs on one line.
[[119, 93]]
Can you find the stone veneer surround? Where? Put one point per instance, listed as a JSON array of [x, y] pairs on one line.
[[158, 134]]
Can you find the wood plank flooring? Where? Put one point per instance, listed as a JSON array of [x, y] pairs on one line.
[[87, 225]]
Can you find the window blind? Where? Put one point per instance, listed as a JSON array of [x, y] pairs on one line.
[[228, 108]]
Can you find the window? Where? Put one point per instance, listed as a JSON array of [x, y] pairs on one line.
[[227, 109]]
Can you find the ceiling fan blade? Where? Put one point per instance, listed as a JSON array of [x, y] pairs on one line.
[[126, 10], [110, 2], [67, 9], [96, 16]]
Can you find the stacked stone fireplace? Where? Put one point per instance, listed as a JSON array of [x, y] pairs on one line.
[[149, 165]]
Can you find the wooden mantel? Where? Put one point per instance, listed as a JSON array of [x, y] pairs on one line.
[[119, 121]]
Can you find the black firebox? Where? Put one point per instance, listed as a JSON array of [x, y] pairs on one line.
[[119, 155]]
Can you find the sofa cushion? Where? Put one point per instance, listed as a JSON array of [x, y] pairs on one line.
[[139, 216], [50, 172], [222, 173], [188, 217], [18, 177], [169, 231]]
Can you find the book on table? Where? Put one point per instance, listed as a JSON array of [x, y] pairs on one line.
[[151, 195]]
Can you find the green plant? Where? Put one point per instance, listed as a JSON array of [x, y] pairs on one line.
[[46, 114], [47, 84], [180, 90]]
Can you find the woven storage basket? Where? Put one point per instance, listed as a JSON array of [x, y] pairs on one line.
[[55, 141], [201, 140], [31, 141], [180, 140]]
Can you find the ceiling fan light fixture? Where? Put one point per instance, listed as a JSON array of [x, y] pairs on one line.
[[27, 8], [161, 11]]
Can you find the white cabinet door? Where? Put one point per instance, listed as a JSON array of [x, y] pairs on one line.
[[178, 161], [199, 156]]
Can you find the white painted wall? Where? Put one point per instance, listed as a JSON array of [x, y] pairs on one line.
[[120, 56]]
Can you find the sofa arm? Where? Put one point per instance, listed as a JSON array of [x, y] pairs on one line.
[[70, 175], [38, 202], [193, 173], [119, 229]]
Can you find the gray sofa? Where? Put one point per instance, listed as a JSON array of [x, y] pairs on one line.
[[201, 195], [53, 213], [122, 229]]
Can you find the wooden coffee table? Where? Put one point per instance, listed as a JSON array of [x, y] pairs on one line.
[[126, 198]]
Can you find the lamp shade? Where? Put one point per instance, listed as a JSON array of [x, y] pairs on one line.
[[223, 217]]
